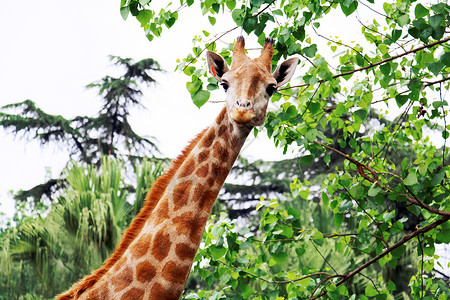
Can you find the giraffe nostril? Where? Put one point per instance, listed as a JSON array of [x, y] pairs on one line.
[[243, 104]]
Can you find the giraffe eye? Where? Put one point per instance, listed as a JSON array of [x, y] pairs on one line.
[[224, 85], [271, 88]]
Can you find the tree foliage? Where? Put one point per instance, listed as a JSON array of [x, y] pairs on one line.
[[400, 62], [77, 234]]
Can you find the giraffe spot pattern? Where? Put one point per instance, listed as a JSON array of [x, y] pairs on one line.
[[159, 292], [208, 139], [220, 152], [174, 273], [184, 251], [203, 171], [181, 194], [162, 211], [123, 279], [133, 293], [219, 172], [161, 245], [187, 168], [222, 133], [145, 272], [190, 225], [139, 247], [203, 156]]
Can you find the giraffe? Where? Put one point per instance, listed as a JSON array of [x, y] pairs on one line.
[[155, 255]]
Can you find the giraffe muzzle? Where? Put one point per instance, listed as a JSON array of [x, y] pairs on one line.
[[242, 115]]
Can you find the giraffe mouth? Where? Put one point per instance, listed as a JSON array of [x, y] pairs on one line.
[[242, 116]]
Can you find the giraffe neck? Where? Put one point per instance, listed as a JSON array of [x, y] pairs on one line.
[[157, 262]]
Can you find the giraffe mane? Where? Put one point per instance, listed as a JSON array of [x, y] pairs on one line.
[[151, 200]]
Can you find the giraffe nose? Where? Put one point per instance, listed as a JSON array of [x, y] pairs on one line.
[[246, 104]]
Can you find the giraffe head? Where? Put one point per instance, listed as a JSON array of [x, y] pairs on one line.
[[249, 83]]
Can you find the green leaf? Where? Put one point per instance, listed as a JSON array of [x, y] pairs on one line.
[[249, 24], [310, 51], [212, 20], [217, 252], [349, 6], [361, 114], [374, 190], [246, 290], [445, 59], [401, 100], [435, 67], [356, 191], [124, 12], [420, 11], [411, 179], [370, 291], [403, 20], [307, 159], [200, 97], [314, 107], [435, 21], [397, 252], [385, 69], [279, 258], [237, 16]]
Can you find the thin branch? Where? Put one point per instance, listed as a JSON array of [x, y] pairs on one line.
[[375, 11], [342, 44]]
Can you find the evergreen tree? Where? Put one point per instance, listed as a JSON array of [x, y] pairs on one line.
[[88, 138]]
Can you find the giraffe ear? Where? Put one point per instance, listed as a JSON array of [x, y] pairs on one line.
[[284, 72], [216, 64]]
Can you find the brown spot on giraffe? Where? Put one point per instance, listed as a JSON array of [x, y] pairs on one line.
[[174, 272], [145, 272], [123, 279], [162, 212], [159, 292], [140, 247], [220, 152], [255, 79], [219, 172], [180, 194], [222, 133], [187, 169], [203, 171], [185, 252], [203, 156], [190, 225], [208, 139], [220, 117], [161, 245], [133, 293]]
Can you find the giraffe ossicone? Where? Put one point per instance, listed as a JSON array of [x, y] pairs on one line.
[[155, 255]]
